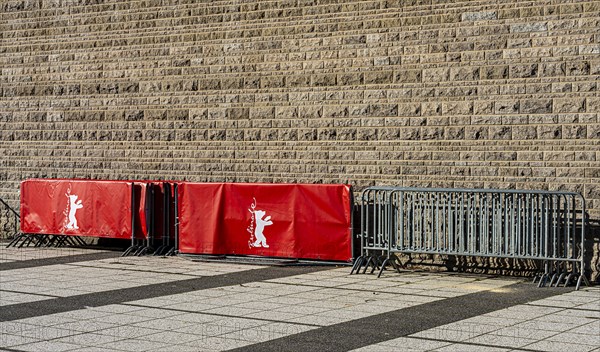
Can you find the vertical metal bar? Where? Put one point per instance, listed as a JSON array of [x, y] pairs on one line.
[[519, 230], [411, 238], [462, 223], [176, 191], [402, 245], [364, 220], [582, 252], [133, 212], [554, 220], [565, 226], [166, 213], [438, 223], [454, 232], [574, 227], [151, 212]]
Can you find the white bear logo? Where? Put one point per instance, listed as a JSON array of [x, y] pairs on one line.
[[74, 204], [261, 240], [257, 226]]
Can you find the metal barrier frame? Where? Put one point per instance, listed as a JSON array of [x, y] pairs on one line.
[[381, 227], [17, 220]]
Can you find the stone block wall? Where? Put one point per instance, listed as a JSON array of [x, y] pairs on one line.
[[490, 93]]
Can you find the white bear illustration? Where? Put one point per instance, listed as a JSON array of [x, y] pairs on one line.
[[261, 240], [74, 205]]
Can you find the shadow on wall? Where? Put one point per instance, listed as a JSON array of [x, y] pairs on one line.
[[592, 250]]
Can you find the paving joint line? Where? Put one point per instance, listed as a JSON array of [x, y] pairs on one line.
[[138, 271], [471, 343], [223, 315], [29, 293], [64, 259], [570, 308], [375, 291]]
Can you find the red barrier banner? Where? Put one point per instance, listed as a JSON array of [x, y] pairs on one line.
[[273, 220], [77, 207]]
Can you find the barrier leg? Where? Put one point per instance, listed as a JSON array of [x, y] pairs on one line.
[[581, 278], [14, 240], [367, 264], [378, 262], [568, 279], [554, 275], [357, 264], [27, 241], [383, 267], [545, 276], [561, 277]]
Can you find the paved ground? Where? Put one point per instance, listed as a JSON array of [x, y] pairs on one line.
[[90, 300]]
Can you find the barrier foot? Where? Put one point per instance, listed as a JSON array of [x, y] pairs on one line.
[[543, 280], [378, 262], [129, 251], [397, 265], [171, 252], [367, 264], [160, 250], [143, 251], [357, 264], [561, 277], [79, 241], [382, 267], [583, 278], [27, 241], [552, 280], [568, 279], [15, 240], [392, 262]]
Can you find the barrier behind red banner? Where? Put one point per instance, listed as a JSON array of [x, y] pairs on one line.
[[274, 220]]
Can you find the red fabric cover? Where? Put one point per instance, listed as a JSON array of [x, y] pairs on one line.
[[306, 221], [77, 207]]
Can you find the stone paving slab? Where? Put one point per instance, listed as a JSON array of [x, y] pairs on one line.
[[249, 307]]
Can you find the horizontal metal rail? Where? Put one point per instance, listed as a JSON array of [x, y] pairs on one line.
[[548, 226]]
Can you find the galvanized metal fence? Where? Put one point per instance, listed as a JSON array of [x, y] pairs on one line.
[[9, 221], [544, 226]]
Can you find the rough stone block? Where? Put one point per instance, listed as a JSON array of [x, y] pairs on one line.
[[553, 69], [457, 108], [506, 107], [381, 77], [578, 68], [464, 74], [407, 76], [436, 74], [383, 110], [568, 105], [262, 113], [479, 16], [523, 71], [529, 27], [535, 106], [409, 109], [323, 80], [494, 72]]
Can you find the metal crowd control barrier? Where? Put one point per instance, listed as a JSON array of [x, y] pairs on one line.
[[28, 239], [9, 220], [160, 204], [532, 225]]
